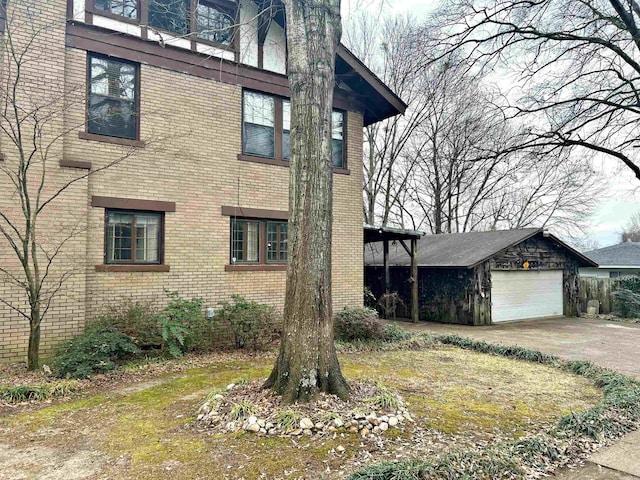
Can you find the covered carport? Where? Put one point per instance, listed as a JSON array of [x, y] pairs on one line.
[[384, 235]]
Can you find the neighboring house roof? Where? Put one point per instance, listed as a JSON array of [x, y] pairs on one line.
[[462, 250], [620, 256]]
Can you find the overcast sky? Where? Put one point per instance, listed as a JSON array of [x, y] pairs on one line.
[[620, 191]]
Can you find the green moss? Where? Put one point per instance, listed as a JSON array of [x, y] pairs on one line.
[[446, 388]]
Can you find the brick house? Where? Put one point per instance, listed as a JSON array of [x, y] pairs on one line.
[[199, 205]]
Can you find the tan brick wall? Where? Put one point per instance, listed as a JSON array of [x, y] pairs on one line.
[[45, 88], [193, 129]]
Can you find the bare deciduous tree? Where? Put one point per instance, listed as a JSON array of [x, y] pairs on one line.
[[577, 63], [33, 129], [631, 230]]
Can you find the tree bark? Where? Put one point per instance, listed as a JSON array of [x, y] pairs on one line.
[[307, 362], [33, 352]]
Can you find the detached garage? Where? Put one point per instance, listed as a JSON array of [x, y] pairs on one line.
[[480, 278]]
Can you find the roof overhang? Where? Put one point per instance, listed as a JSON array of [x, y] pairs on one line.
[[376, 97], [374, 234]]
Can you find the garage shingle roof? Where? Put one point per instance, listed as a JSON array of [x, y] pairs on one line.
[[458, 250], [622, 255]]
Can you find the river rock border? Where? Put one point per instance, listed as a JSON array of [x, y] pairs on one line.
[[371, 411]]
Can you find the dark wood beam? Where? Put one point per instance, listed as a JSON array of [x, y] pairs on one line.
[[415, 306]]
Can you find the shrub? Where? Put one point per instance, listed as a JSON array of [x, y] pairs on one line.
[[181, 321], [389, 304], [94, 351], [627, 303], [250, 322], [394, 333], [630, 282], [137, 320], [354, 324], [369, 298]]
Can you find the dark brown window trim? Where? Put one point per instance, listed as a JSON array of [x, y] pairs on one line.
[[75, 164], [269, 161], [258, 267], [101, 40], [115, 140], [278, 158], [106, 138], [257, 213], [133, 204], [282, 163], [3, 157], [132, 268]]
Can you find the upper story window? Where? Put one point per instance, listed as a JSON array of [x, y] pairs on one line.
[[214, 23], [133, 237], [112, 108], [337, 138], [123, 8], [266, 128], [259, 124], [170, 15]]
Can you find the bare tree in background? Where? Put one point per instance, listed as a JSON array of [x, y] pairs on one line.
[[578, 62], [389, 47], [631, 230], [32, 124], [307, 362]]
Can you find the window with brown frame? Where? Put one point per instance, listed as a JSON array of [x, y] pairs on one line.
[[215, 22], [257, 241], [122, 8], [211, 21], [113, 95], [133, 237], [266, 127]]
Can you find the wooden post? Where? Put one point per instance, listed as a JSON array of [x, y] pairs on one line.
[[387, 278], [415, 307]]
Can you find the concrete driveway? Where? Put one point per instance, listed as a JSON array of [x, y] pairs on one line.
[[608, 344]]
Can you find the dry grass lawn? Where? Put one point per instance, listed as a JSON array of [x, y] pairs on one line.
[[146, 431]]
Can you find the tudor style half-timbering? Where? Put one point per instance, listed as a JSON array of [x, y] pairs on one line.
[[193, 95]]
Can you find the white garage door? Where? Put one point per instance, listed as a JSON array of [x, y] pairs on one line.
[[525, 294]]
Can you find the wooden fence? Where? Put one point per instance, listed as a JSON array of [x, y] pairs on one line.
[[600, 289]]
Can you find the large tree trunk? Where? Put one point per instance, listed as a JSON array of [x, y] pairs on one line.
[[307, 362]]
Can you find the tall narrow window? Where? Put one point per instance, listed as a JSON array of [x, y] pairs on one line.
[[277, 241], [170, 15], [133, 237], [259, 125], [214, 23], [286, 130], [123, 8], [112, 104], [337, 142], [245, 241]]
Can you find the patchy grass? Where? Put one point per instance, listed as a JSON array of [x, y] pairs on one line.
[[618, 412], [455, 395]]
